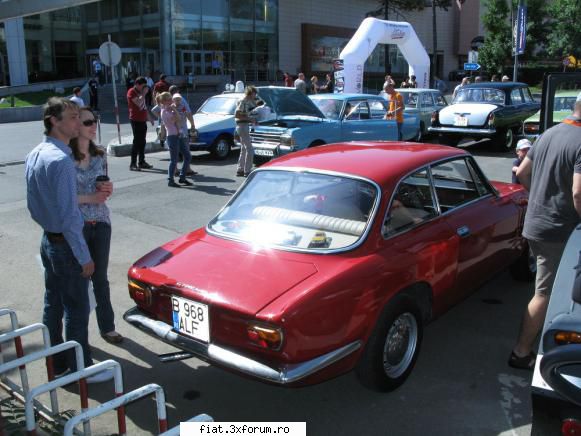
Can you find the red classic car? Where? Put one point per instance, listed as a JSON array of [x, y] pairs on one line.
[[331, 259]]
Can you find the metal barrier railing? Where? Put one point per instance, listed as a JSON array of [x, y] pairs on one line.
[[29, 395], [129, 397]]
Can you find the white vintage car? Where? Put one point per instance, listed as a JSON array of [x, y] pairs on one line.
[[494, 110]]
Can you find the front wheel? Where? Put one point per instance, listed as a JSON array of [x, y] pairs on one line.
[[221, 148], [393, 347]]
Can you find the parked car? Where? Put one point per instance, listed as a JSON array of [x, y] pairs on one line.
[[215, 124], [563, 105], [302, 122], [556, 383], [421, 102], [492, 110], [331, 259]]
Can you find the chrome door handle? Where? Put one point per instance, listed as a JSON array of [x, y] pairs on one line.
[[463, 231]]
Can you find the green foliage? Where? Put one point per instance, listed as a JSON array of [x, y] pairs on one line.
[[537, 27], [413, 5], [565, 35], [497, 44]]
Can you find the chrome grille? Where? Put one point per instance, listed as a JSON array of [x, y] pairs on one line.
[[265, 138]]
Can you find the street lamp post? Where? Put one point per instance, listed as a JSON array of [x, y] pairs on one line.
[[386, 48]]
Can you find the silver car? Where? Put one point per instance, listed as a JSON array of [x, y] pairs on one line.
[[421, 102]]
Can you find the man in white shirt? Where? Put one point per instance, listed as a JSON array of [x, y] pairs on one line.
[[76, 98]]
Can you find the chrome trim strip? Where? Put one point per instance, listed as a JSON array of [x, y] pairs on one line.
[[215, 354], [467, 131]]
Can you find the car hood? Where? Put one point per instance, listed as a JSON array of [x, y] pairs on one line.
[[223, 272], [558, 117], [288, 101], [477, 113], [207, 122]]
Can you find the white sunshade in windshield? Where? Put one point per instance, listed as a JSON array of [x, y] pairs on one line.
[[298, 210]]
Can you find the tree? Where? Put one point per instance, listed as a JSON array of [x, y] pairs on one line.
[[498, 41], [564, 37]]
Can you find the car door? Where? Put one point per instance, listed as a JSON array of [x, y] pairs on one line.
[[426, 107], [483, 223], [364, 123]]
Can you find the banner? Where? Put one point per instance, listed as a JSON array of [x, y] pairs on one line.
[[521, 30]]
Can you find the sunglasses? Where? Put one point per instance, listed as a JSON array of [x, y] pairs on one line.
[[89, 123]]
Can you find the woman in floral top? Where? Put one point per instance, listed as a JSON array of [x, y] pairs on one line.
[[91, 162]]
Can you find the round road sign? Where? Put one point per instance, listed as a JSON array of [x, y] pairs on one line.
[[110, 53]]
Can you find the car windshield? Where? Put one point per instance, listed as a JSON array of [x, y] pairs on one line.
[[303, 211], [479, 95], [219, 105], [330, 107]]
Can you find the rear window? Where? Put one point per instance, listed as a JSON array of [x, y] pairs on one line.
[[480, 95], [299, 210]]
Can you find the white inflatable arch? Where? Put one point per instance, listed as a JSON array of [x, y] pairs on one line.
[[349, 68]]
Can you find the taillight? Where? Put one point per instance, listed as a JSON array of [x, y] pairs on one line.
[[531, 128], [265, 336], [567, 337], [139, 292], [571, 427], [491, 119]]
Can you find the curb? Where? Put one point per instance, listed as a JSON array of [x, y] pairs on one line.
[[114, 148]]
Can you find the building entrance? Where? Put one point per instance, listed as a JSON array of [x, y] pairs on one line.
[[200, 62]]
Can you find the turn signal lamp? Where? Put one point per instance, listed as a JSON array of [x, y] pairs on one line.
[[531, 128], [265, 337], [139, 292], [566, 338]]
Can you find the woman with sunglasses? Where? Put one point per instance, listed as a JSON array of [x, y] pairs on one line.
[[91, 163]]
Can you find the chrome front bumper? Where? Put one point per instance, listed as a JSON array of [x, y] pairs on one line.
[[286, 374], [464, 131]]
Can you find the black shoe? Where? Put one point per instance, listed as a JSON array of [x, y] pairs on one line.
[[186, 182], [239, 173], [526, 362], [134, 168], [172, 184], [145, 166]]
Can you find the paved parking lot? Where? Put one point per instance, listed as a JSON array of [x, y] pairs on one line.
[[461, 384]]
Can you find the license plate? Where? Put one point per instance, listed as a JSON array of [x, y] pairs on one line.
[[460, 121], [261, 152], [191, 318]]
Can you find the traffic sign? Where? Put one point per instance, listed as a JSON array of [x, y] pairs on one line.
[[110, 53], [471, 66]]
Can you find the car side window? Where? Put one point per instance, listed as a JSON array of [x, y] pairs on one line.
[[412, 204], [357, 110], [427, 100], [377, 109], [527, 95], [516, 96], [454, 184]]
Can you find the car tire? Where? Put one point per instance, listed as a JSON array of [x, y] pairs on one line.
[[393, 347], [504, 140], [421, 133], [316, 144], [449, 140], [222, 147], [524, 269]]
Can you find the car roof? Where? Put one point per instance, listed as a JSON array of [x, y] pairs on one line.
[[383, 162], [496, 85], [416, 90], [342, 96]]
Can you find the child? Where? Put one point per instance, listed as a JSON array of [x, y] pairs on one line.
[[522, 148], [156, 111]]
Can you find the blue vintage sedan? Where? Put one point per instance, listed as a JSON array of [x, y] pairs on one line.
[[301, 122]]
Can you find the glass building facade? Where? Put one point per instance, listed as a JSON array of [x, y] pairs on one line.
[[204, 37]]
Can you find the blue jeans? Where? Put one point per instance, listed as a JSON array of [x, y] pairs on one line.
[[98, 237], [65, 295], [177, 145]]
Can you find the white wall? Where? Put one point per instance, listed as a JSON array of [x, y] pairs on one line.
[[350, 13]]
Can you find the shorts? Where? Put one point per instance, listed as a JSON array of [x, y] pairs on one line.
[[548, 255]]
